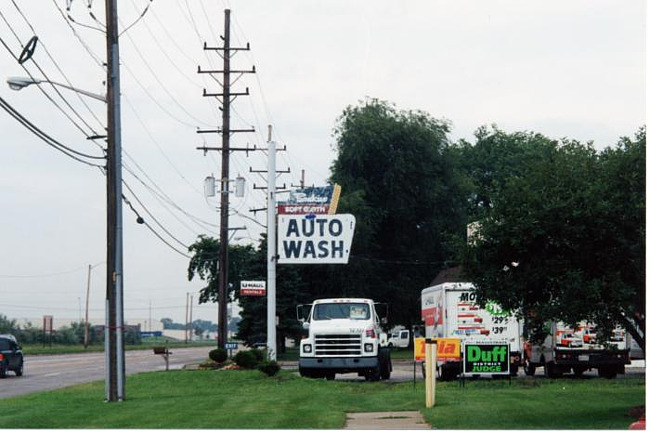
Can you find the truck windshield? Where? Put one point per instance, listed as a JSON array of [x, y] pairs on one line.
[[341, 311]]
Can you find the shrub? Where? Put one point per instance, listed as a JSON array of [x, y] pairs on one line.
[[245, 359], [270, 368], [218, 355], [259, 354]]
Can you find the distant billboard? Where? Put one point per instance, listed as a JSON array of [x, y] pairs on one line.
[[311, 200], [253, 288]]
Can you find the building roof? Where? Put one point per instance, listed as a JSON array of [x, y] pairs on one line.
[[449, 275]]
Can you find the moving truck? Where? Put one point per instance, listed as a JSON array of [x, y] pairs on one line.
[[344, 336], [566, 349], [449, 310]]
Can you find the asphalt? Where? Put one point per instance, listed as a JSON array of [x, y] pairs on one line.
[[411, 420]]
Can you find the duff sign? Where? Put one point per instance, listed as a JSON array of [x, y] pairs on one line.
[[252, 288]]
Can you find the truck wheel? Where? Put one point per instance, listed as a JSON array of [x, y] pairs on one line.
[[330, 376], [514, 369], [447, 374], [3, 372], [550, 371], [373, 375], [385, 365]]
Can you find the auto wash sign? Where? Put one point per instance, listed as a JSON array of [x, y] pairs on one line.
[[315, 239], [488, 358]]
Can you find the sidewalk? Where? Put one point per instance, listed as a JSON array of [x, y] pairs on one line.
[[412, 420]]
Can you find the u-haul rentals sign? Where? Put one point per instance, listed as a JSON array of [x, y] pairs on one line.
[[315, 239]]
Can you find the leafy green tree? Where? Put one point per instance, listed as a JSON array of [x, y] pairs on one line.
[[7, 326], [247, 263], [397, 173], [290, 291], [563, 235]]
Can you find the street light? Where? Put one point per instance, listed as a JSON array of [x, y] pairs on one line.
[[19, 83], [113, 330]]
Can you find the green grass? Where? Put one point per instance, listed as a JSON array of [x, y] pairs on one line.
[[249, 399]]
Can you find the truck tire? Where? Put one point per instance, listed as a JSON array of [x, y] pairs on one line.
[[447, 374], [3, 371], [529, 368], [373, 375], [19, 369], [550, 371], [514, 369], [330, 376], [385, 364]]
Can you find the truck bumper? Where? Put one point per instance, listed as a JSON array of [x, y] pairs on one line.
[[592, 359], [337, 365]]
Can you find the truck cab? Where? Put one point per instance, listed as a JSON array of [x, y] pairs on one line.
[[343, 336], [400, 338]]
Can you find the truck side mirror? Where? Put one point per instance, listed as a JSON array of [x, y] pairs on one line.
[[305, 325], [384, 320]]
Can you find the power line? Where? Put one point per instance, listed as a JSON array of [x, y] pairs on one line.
[[47, 78], [55, 274], [151, 215], [46, 138]]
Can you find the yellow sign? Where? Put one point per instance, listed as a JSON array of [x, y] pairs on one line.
[[448, 349]]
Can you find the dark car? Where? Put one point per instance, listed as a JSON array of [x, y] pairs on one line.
[[11, 356]]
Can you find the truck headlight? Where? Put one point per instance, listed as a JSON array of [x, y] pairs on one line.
[[368, 347], [306, 348]]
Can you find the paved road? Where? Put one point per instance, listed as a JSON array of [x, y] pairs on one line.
[[56, 371], [403, 372]]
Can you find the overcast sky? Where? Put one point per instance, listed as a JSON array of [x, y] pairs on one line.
[[564, 68]]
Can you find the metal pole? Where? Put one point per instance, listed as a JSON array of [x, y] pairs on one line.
[[271, 253], [225, 173], [114, 291]]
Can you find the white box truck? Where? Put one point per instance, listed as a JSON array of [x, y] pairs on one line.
[[344, 336], [566, 349], [449, 310]]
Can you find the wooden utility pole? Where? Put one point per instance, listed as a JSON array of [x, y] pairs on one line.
[[187, 306], [226, 97], [114, 327], [86, 325]]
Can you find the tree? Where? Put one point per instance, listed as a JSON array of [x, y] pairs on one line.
[[563, 236], [7, 326], [398, 178], [290, 291], [247, 263]]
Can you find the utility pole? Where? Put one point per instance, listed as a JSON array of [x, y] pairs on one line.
[[86, 326], [226, 97], [191, 328], [271, 340], [114, 274], [187, 306]]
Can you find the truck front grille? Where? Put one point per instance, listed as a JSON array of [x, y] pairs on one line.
[[338, 345]]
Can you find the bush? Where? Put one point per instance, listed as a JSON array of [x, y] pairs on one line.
[[270, 368], [246, 359], [259, 355], [218, 355]]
